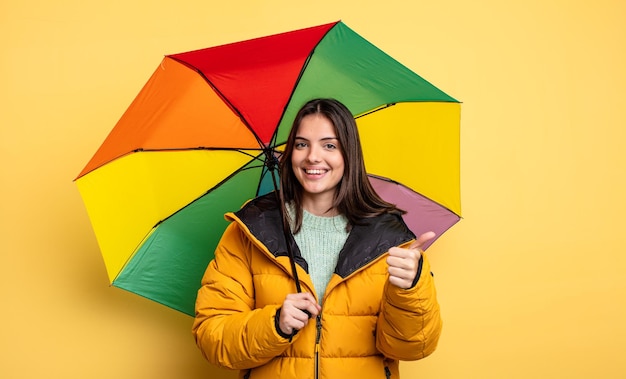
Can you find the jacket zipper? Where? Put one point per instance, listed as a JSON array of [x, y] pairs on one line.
[[318, 324], [387, 372]]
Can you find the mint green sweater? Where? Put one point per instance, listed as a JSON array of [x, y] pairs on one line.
[[320, 240]]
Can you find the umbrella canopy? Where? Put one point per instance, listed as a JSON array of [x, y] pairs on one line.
[[196, 142]]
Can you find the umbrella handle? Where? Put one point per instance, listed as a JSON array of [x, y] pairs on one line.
[[286, 233]]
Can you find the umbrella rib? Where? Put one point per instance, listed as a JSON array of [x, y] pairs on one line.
[[223, 97], [238, 149], [264, 152], [304, 66], [245, 167], [375, 110], [384, 178]]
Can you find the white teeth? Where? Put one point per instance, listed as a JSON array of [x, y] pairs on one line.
[[314, 172]]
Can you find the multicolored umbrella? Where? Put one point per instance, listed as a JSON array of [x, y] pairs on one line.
[[195, 143]]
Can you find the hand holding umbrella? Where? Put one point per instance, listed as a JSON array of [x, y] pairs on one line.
[[296, 311], [404, 262]]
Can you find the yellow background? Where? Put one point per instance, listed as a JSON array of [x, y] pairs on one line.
[[531, 282]]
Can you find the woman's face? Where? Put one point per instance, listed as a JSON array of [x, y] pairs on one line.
[[316, 160]]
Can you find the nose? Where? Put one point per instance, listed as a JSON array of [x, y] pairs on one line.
[[314, 154]]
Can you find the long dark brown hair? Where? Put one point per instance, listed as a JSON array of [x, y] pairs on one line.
[[354, 198]]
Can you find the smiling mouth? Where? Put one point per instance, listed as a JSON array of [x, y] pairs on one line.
[[315, 172]]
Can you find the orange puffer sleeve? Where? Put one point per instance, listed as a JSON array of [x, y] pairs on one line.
[[228, 330], [409, 324]]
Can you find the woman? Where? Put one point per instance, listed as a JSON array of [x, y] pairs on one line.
[[368, 299]]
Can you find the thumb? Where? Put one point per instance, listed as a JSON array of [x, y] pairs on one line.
[[421, 240]]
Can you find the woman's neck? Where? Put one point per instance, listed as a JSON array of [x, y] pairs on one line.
[[319, 207]]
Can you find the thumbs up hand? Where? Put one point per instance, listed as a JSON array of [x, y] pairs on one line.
[[404, 262]]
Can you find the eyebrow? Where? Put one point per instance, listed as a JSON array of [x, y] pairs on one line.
[[321, 139]]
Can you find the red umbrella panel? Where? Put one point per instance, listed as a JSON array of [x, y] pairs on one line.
[[195, 142]]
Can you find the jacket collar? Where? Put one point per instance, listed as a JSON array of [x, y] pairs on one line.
[[364, 245]]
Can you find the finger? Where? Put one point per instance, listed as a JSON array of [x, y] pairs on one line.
[[288, 323], [292, 324], [396, 262], [311, 309], [302, 296], [398, 282], [402, 257], [401, 273], [397, 252], [294, 317], [309, 297], [402, 264], [421, 240], [401, 253], [307, 308], [303, 303]]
